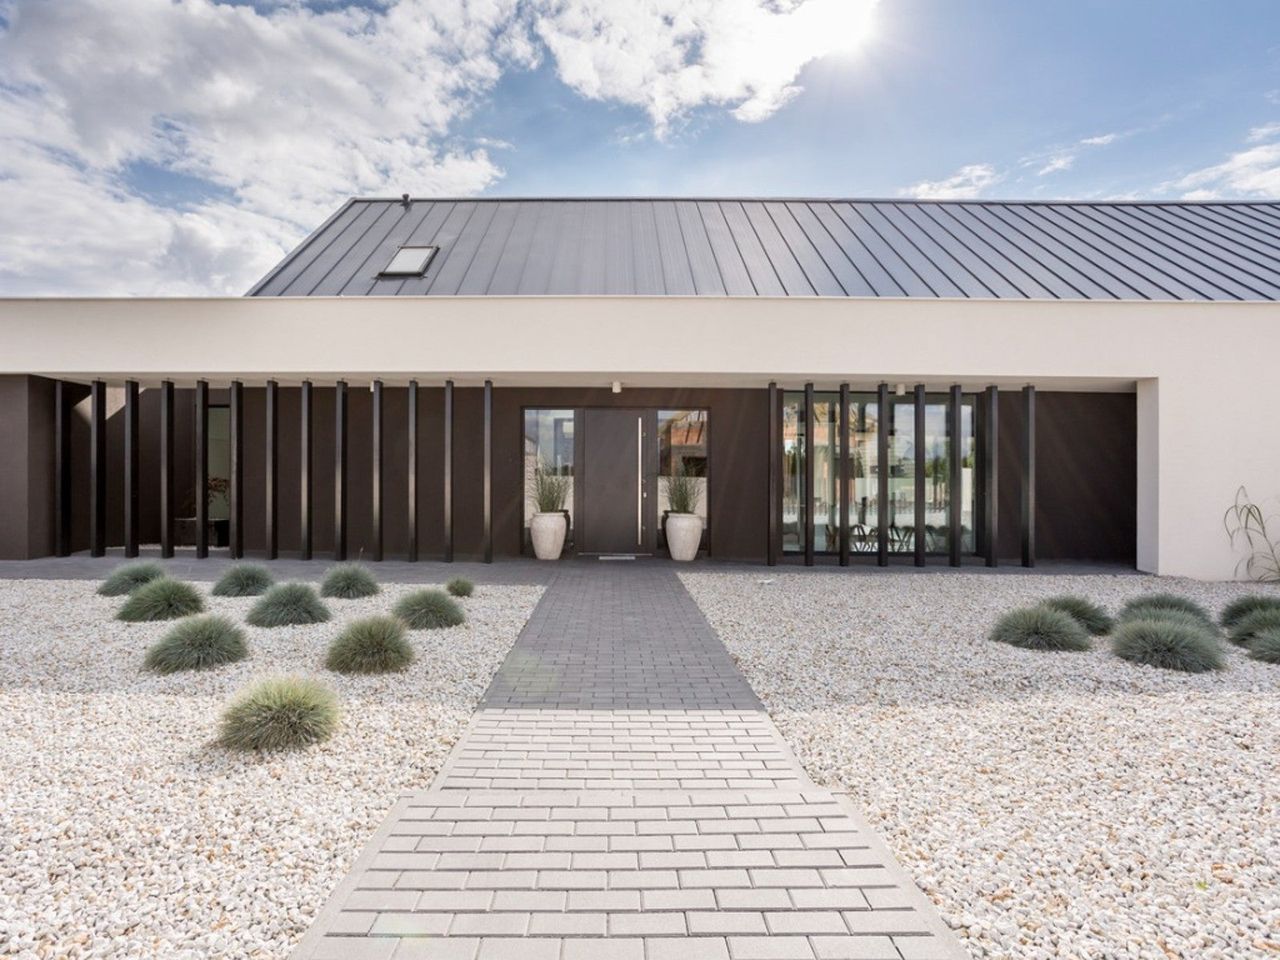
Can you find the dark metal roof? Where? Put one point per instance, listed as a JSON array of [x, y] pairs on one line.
[[795, 247]]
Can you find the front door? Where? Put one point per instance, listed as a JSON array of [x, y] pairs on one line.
[[614, 498]]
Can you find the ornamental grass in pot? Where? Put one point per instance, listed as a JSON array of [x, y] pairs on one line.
[[549, 524], [683, 525]]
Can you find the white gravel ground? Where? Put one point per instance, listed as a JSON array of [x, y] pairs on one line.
[[125, 833], [1051, 804]]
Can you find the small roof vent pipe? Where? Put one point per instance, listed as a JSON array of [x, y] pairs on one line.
[[404, 198]]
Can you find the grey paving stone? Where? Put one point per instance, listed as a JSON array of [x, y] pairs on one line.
[[620, 793]]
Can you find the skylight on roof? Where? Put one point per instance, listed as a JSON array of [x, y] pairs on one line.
[[409, 262]]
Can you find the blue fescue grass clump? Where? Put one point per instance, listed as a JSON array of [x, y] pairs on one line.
[[243, 580], [1248, 627], [460, 587], [371, 645], [161, 599], [129, 578], [429, 610], [197, 643], [1241, 607], [1154, 605], [1085, 612], [1170, 643], [1266, 646], [1041, 628], [287, 604], [284, 713], [348, 581]]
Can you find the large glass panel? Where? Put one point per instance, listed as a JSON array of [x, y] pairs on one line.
[[219, 451], [864, 419], [682, 447], [937, 473], [902, 477], [548, 440], [968, 473], [826, 473], [793, 518]]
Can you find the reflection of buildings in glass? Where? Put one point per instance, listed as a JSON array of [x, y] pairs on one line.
[[864, 473], [548, 442], [682, 446]]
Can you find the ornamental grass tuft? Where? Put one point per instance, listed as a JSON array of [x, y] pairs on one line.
[[1168, 643], [1266, 646], [286, 604], [371, 645], [129, 578], [1241, 607], [197, 643], [1248, 627], [1041, 628], [161, 599], [243, 580], [429, 610], [284, 713], [1085, 612], [460, 587], [348, 581], [1155, 605]]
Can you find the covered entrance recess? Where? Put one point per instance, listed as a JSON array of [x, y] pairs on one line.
[[616, 459]]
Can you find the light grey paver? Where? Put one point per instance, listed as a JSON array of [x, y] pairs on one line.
[[621, 794]]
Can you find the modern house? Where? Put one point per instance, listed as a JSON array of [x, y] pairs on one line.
[[853, 382]]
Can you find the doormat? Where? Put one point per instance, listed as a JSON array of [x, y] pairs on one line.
[[616, 556]]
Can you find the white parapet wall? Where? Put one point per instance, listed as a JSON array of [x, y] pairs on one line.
[[1201, 371]]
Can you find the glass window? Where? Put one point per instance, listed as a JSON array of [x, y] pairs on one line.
[[968, 473], [548, 441], [409, 262], [682, 448], [826, 473], [902, 477], [793, 444], [937, 477], [864, 420]]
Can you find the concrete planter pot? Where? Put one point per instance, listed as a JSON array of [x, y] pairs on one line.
[[684, 534], [547, 531]]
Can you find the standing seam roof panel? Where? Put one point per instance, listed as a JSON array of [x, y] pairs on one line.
[[1024, 272], [1209, 236], [1193, 260], [794, 247], [842, 268]]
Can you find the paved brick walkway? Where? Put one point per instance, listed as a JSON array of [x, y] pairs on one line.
[[622, 794]]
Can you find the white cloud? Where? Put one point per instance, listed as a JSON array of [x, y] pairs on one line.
[[669, 57], [1253, 172], [1062, 161], [271, 117], [1102, 140], [967, 183], [1268, 131]]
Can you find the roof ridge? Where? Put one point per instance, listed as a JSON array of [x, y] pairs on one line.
[[976, 201]]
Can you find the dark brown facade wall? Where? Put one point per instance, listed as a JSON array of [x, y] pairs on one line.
[[26, 467], [1086, 476]]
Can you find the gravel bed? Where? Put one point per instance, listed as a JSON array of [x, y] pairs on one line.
[[124, 832], [1051, 804]]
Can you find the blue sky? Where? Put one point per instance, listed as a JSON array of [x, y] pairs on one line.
[[166, 148]]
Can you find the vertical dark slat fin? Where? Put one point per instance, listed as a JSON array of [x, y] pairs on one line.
[[62, 468], [98, 469], [202, 468], [775, 467], [131, 463], [340, 470], [271, 511], [488, 471], [1029, 476], [412, 464], [846, 486], [237, 469], [166, 469], [884, 418], [955, 463], [810, 521], [306, 453], [376, 484], [920, 427], [991, 479], [448, 471]]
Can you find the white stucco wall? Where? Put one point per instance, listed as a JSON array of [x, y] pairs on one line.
[[1201, 371]]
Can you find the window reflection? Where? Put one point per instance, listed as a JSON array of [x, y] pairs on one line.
[[793, 445], [682, 447], [548, 441]]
